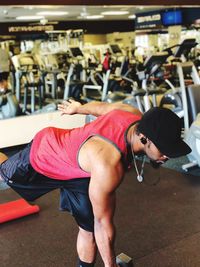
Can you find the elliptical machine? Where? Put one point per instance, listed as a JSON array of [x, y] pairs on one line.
[[192, 134], [141, 96], [186, 101], [180, 68]]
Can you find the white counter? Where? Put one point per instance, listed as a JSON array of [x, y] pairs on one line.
[[20, 130]]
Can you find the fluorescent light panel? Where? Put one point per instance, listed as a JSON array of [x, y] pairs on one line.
[[114, 13], [132, 16], [29, 17], [94, 17], [52, 13]]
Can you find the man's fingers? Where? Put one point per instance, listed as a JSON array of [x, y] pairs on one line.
[[67, 106], [70, 100], [61, 106], [64, 104]]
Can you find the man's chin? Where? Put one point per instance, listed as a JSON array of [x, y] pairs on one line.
[[140, 154], [155, 164]]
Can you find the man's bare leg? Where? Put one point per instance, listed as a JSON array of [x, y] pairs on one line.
[[86, 246], [3, 157]]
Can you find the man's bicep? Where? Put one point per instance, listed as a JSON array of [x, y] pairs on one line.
[[103, 201], [102, 190]]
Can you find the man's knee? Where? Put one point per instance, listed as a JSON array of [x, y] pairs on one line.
[[86, 234], [3, 157]]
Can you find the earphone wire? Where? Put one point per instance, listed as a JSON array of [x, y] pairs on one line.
[[140, 177]]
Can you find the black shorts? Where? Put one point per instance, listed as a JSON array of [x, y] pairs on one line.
[[29, 184]]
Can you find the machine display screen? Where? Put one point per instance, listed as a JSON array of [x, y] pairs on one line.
[[115, 48], [76, 51], [173, 17]]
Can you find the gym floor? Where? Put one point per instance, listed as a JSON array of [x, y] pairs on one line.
[[158, 225]]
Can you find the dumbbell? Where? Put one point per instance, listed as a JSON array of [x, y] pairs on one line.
[[124, 261]]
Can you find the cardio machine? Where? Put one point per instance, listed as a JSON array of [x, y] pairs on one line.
[[192, 134], [181, 70], [189, 96], [141, 96], [76, 75], [28, 77]]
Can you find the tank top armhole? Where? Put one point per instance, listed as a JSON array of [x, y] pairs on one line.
[[102, 137]]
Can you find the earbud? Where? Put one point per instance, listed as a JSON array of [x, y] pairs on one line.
[[143, 140]]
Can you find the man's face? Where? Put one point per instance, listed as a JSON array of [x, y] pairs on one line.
[[154, 154]]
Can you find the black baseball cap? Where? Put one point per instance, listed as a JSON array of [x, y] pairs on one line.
[[163, 127]]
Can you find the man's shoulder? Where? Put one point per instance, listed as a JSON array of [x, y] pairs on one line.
[[102, 148], [123, 112], [122, 115], [98, 151]]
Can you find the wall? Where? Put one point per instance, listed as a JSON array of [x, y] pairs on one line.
[[124, 38], [95, 39], [174, 35], [90, 27], [153, 41]]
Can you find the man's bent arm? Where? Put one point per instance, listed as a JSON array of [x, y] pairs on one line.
[[94, 108]]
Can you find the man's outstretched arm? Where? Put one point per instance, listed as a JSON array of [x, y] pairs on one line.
[[94, 108]]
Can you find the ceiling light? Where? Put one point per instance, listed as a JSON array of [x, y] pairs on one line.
[[52, 13], [132, 16], [140, 7], [5, 12], [94, 17], [84, 14], [29, 17], [113, 13], [44, 21]]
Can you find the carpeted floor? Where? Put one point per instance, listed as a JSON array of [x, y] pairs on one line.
[[157, 222], [176, 164]]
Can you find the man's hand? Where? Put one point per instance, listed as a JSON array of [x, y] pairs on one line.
[[69, 107]]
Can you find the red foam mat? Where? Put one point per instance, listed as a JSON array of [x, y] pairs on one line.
[[16, 209]]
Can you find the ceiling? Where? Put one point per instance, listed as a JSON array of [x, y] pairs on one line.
[[9, 13]]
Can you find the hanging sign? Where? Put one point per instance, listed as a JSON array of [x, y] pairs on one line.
[[148, 20], [35, 28]]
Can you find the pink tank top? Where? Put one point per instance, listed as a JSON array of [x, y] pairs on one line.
[[54, 151]]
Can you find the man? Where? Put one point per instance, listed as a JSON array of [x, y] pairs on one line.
[[89, 163]]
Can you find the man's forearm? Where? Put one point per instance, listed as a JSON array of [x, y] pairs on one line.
[[104, 235], [94, 108], [100, 108]]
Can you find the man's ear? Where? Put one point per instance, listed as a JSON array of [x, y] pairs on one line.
[[143, 140]]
